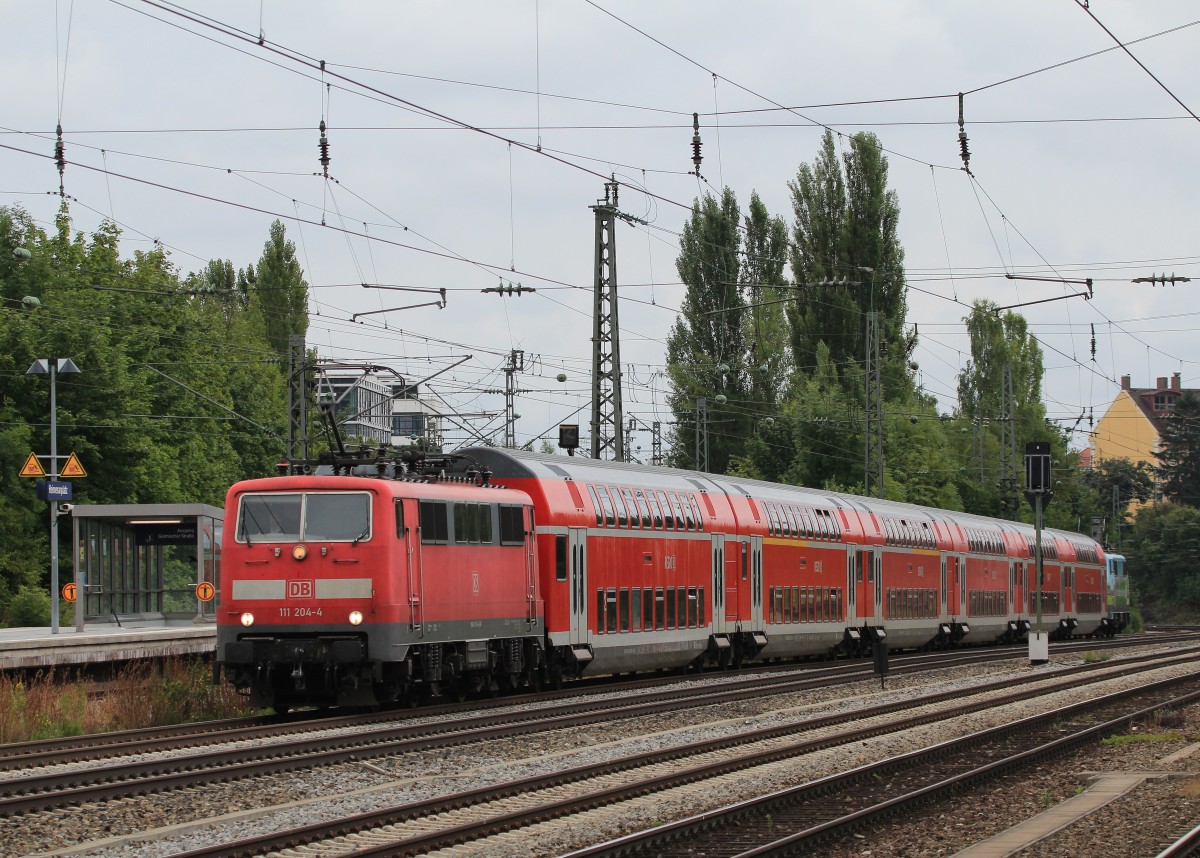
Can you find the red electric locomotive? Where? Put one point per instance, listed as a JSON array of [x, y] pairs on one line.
[[359, 590]]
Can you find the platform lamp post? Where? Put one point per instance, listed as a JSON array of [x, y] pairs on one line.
[[52, 367]]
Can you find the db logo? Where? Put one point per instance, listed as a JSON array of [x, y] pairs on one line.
[[300, 589], [474, 582]]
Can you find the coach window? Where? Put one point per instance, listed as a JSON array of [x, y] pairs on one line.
[[681, 520], [700, 607], [596, 505], [681, 595], [655, 511], [670, 605], [560, 558], [631, 505], [623, 609], [696, 510], [692, 610], [643, 507], [660, 616], [686, 500], [668, 514], [434, 523], [610, 516], [648, 609], [622, 517], [600, 611], [635, 604], [789, 513]]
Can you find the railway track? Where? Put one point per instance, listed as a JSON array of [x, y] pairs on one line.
[[247, 751], [469, 816], [834, 807], [18, 757]]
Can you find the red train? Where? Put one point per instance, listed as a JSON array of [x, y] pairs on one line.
[[495, 568]]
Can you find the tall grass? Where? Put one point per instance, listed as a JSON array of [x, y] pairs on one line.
[[53, 704]]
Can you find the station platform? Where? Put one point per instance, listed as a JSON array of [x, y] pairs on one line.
[[99, 643]]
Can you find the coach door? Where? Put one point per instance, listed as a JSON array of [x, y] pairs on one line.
[[720, 624], [756, 603], [577, 546]]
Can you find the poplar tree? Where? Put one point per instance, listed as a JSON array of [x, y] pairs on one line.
[[279, 290], [845, 233], [707, 342]]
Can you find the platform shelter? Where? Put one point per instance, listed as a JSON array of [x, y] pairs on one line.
[[143, 563]]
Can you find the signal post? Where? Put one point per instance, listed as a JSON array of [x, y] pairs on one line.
[[1038, 491]]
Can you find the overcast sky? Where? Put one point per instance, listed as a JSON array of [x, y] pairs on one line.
[[1084, 165]]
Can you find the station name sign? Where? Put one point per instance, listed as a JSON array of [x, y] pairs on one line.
[[52, 490]]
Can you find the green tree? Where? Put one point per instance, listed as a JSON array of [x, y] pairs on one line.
[[1163, 559], [1179, 452], [768, 351], [707, 343], [845, 229], [1111, 485], [279, 290], [1000, 341], [164, 366]]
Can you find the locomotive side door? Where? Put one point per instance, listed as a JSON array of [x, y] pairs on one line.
[[720, 626], [407, 517], [577, 553]]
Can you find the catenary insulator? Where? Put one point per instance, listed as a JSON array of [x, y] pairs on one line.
[[323, 148], [696, 156]]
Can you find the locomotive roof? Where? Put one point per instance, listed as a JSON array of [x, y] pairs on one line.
[[523, 464]]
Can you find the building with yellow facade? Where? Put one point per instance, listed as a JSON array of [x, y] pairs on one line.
[[1132, 426]]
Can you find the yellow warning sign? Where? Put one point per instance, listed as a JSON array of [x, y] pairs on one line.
[[73, 468], [205, 591], [32, 467]]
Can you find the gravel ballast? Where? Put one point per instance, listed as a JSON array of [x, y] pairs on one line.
[[264, 804]]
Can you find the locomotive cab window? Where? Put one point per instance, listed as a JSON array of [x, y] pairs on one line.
[[309, 516]]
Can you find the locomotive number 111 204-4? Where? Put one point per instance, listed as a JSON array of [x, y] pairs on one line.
[[299, 612]]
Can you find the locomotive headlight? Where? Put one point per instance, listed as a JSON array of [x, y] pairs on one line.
[[355, 618], [299, 552], [247, 619]]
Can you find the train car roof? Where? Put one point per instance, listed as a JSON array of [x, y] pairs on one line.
[[523, 464]]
